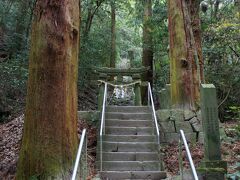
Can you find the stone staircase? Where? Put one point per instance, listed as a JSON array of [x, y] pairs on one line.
[[130, 148]]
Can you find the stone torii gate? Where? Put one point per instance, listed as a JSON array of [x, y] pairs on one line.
[[106, 75]]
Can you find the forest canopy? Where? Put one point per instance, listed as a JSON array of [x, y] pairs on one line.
[[220, 38]]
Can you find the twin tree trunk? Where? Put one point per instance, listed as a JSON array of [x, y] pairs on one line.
[[147, 58], [186, 60], [50, 140]]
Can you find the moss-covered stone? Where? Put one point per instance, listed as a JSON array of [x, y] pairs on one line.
[[90, 116]]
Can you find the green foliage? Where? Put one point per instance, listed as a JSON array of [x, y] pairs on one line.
[[160, 41], [95, 47], [221, 48], [13, 87]]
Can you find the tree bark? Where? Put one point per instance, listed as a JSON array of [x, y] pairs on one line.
[[194, 8], [147, 58], [183, 57], [50, 140], [113, 36]]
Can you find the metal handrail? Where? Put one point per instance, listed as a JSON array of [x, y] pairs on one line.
[[150, 102], [102, 128], [182, 136], [76, 166]]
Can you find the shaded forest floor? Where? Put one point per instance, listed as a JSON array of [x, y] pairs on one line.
[[11, 133]]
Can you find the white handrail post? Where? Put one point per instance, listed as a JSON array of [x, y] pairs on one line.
[[100, 153], [78, 155], [102, 128], [148, 95], [86, 151], [189, 155], [154, 113]]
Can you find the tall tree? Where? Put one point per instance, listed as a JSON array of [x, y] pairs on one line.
[[93, 7], [183, 56], [50, 130], [113, 35], [194, 9], [147, 57]]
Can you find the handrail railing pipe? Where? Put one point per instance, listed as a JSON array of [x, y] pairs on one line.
[[183, 138], [79, 153], [154, 112], [102, 128]]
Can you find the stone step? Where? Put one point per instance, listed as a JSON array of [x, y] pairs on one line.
[[112, 130], [131, 109], [130, 156], [129, 123], [131, 165], [130, 138], [129, 147], [128, 116], [119, 175]]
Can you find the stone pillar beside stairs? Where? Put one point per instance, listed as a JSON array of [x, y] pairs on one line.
[[212, 167]]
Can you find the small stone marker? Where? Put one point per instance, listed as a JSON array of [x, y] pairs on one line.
[[137, 90], [162, 99], [131, 57], [212, 166], [102, 77], [168, 95]]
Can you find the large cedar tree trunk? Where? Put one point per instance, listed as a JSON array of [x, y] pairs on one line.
[[50, 140], [194, 8], [183, 57], [147, 58], [113, 36]]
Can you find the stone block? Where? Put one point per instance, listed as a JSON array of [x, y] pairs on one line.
[[119, 175], [196, 125], [177, 114], [167, 126], [213, 170], [174, 137], [188, 114], [200, 138], [128, 116], [183, 125], [131, 165], [130, 156], [130, 146], [163, 115], [214, 165], [212, 175], [90, 116], [199, 115], [162, 99], [129, 138]]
